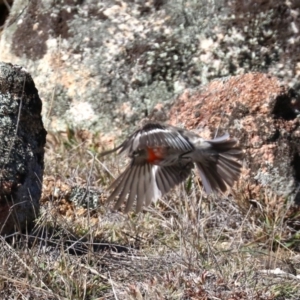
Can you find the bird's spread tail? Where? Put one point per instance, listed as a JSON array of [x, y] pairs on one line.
[[217, 163]]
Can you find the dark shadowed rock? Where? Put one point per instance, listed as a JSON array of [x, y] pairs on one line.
[[22, 140], [264, 115]]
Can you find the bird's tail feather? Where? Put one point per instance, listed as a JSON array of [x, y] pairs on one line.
[[218, 164]]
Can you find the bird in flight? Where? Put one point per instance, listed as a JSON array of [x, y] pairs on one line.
[[162, 156]]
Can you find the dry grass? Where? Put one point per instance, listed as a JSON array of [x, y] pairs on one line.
[[186, 246]]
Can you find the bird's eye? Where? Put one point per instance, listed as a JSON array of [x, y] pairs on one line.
[[136, 153]]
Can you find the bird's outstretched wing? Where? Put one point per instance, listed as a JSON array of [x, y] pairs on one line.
[[154, 135], [145, 183]]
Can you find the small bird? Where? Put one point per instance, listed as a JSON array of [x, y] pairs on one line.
[[162, 156]]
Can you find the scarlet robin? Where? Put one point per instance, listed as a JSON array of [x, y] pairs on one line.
[[163, 156]]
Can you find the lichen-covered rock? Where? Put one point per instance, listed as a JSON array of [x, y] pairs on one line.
[[264, 115], [22, 140], [103, 65]]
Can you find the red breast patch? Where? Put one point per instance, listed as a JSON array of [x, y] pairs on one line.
[[155, 154]]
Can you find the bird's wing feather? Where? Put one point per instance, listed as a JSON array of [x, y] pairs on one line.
[[146, 183], [156, 135]]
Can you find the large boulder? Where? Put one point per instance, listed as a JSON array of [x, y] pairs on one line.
[[102, 65], [264, 115], [22, 140]]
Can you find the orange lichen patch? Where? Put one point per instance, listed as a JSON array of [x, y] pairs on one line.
[[56, 200], [261, 113], [56, 192], [266, 152], [254, 91], [54, 189], [64, 207]]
